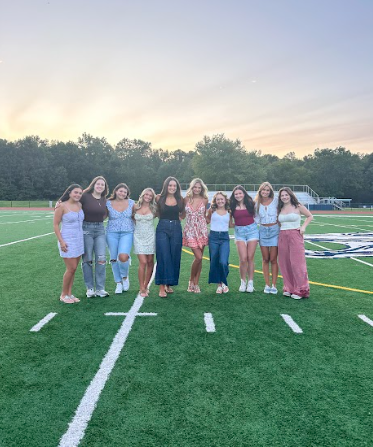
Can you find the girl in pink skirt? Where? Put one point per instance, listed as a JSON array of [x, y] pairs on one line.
[[291, 256], [195, 235]]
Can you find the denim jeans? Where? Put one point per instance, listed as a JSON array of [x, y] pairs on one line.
[[219, 248], [94, 242], [168, 241], [118, 243]]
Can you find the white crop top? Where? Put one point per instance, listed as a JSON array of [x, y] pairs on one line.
[[267, 214], [289, 221], [219, 222]]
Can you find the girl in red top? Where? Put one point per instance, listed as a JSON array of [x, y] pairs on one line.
[[246, 234]]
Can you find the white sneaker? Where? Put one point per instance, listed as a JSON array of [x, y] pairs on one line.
[[296, 297], [224, 288], [126, 284], [242, 287], [118, 288], [250, 286], [90, 293], [267, 289], [102, 293], [287, 294], [273, 290]]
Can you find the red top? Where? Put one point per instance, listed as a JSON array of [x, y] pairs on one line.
[[243, 218]]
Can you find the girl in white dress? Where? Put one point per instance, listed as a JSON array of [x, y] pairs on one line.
[[144, 237]]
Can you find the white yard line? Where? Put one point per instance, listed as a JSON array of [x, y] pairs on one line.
[[83, 414], [24, 240], [292, 324], [26, 221], [366, 319], [124, 314], [209, 322], [43, 322]]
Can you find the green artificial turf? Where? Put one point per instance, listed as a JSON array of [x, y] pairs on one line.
[[251, 383]]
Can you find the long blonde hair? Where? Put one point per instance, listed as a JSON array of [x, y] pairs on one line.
[[258, 199], [152, 204], [203, 193]]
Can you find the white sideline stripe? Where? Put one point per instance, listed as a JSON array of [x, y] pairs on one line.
[[28, 239], [83, 414], [43, 322], [140, 314], [292, 324], [351, 257], [25, 221], [209, 322], [366, 319]]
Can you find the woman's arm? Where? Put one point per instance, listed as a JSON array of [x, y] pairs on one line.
[[305, 212], [56, 225], [231, 223], [208, 215]]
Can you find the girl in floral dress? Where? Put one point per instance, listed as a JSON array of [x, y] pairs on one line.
[[195, 234], [144, 237]]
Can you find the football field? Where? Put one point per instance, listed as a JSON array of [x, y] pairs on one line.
[[194, 369]]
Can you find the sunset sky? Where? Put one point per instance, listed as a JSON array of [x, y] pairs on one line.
[[280, 75]]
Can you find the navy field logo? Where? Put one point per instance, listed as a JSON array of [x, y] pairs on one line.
[[355, 244]]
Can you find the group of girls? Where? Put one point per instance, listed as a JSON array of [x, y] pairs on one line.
[[280, 236]]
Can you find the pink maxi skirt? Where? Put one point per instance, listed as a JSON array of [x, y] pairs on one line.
[[292, 262]]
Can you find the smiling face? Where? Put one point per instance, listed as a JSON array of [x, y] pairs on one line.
[[148, 196], [285, 197], [239, 195], [121, 193], [99, 186], [172, 187], [76, 194], [197, 188], [220, 201], [265, 192]]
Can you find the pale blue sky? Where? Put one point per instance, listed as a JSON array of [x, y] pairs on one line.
[[280, 75]]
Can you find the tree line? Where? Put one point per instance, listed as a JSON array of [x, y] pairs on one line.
[[32, 168]]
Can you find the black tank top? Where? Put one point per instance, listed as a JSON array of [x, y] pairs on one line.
[[170, 212]]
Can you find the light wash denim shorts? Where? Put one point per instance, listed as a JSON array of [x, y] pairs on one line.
[[247, 233], [268, 236]]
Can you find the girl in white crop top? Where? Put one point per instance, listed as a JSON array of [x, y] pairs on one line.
[[291, 255], [219, 246]]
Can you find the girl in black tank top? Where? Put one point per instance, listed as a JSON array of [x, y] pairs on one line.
[[168, 236]]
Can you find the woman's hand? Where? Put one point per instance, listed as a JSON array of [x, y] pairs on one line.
[[302, 230], [63, 246]]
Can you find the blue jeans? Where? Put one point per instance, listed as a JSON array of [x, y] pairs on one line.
[[219, 248], [168, 241], [94, 242], [118, 243]]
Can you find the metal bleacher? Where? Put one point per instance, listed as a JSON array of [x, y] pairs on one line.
[[304, 193]]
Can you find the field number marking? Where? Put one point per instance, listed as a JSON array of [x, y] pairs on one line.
[[209, 322], [292, 324], [43, 322], [366, 319]]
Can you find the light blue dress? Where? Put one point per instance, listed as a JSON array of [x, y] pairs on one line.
[[72, 234]]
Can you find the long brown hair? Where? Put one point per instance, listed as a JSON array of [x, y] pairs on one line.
[[91, 186], [293, 199]]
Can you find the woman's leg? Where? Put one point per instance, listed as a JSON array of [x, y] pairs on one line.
[[124, 250], [274, 264], [142, 272], [224, 260], [251, 247], [113, 242], [87, 258], [149, 269], [68, 277], [196, 265], [265, 264], [163, 250], [214, 273], [242, 253], [100, 257], [284, 260]]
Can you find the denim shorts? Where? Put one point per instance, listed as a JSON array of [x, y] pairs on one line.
[[268, 236], [247, 233]]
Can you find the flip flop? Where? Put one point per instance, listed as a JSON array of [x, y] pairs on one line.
[[66, 299]]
